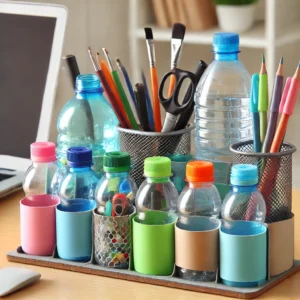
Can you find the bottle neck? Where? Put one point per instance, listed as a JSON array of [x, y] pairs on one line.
[[79, 170], [88, 87], [158, 179], [116, 174], [244, 188], [199, 184], [226, 56], [36, 164]]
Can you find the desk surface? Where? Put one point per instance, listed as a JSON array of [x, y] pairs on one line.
[[58, 284]]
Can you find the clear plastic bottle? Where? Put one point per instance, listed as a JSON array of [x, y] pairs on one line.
[[116, 185], [87, 120], [40, 176], [157, 192], [244, 201], [199, 198], [222, 114], [79, 183]]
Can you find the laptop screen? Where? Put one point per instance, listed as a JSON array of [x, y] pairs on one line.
[[25, 50]]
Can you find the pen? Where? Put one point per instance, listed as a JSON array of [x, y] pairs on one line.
[[141, 106]]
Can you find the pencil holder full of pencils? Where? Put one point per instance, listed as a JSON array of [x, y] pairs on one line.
[[142, 144], [275, 177]]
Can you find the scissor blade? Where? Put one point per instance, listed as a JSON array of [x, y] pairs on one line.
[[169, 123]]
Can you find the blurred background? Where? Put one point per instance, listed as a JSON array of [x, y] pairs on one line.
[[271, 27]]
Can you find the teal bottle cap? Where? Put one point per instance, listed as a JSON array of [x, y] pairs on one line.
[[116, 162], [157, 166], [244, 175]]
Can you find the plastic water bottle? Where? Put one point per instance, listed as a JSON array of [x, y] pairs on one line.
[[244, 201], [116, 190], [40, 176], [157, 192], [199, 198], [79, 183], [222, 114], [87, 120]]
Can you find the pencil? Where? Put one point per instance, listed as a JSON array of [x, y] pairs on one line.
[[254, 112], [107, 90], [121, 91], [263, 100], [288, 110], [110, 81], [127, 80], [274, 109]]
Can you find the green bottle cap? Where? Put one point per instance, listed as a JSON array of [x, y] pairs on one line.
[[157, 166], [116, 162]]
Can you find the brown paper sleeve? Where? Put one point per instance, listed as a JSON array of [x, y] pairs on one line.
[[281, 246], [197, 250]]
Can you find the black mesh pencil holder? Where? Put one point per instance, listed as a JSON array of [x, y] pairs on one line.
[[275, 176], [141, 144]]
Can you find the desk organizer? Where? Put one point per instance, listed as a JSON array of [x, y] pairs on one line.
[[281, 264], [167, 281]]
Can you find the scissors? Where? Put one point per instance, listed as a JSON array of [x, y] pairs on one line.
[[171, 105]]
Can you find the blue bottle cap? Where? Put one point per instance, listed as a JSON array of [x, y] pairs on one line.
[[244, 175], [79, 157], [226, 42]]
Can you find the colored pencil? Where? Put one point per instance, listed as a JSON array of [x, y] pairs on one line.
[[127, 80], [111, 83], [254, 112], [263, 100], [274, 109], [121, 91], [288, 109], [108, 91]]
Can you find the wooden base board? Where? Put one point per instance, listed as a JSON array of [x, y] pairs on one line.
[[168, 281]]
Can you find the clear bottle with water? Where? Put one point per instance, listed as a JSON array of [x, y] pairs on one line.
[[40, 178], [157, 192], [222, 114], [199, 198], [244, 201], [87, 120]]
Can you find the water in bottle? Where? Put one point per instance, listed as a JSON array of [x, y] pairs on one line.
[[222, 114], [87, 120], [116, 190], [40, 177], [157, 192], [77, 187], [199, 198]]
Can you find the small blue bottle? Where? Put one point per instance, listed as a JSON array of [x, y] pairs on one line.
[[243, 236], [78, 185]]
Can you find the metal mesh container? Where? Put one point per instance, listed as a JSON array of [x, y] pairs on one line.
[[275, 176], [141, 144], [112, 240]]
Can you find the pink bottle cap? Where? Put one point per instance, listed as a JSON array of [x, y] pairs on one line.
[[42, 152]]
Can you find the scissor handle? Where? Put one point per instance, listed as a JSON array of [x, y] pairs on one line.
[[171, 104]]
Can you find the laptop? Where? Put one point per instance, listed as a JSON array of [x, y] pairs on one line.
[[31, 45]]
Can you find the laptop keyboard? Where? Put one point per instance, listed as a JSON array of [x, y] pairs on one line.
[[5, 176]]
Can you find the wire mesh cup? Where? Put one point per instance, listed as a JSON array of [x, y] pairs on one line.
[[142, 144], [275, 177]]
